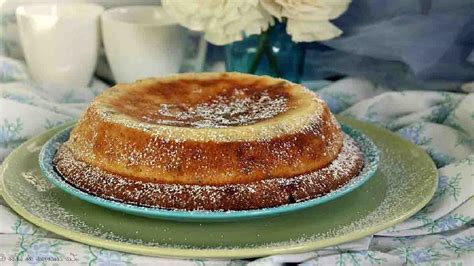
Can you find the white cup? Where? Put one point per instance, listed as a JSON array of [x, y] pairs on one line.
[[60, 42], [142, 41]]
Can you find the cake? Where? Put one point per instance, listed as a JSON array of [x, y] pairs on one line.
[[210, 141]]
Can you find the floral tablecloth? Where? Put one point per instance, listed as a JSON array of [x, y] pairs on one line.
[[441, 123]]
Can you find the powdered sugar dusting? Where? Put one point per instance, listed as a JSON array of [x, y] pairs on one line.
[[235, 110], [39, 183]]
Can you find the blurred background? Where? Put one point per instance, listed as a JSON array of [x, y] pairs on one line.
[[407, 44]]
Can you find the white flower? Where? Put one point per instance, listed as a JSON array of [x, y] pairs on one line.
[[308, 20], [222, 21]]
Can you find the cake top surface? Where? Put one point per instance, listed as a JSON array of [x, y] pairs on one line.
[[214, 103], [218, 106]]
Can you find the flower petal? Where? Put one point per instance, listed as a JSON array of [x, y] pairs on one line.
[[308, 31], [317, 10], [222, 21]]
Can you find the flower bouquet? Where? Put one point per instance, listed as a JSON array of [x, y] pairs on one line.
[[262, 36]]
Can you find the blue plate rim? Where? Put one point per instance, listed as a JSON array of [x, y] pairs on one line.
[[49, 149]]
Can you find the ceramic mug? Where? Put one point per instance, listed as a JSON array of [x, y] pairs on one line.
[[60, 42], [142, 41]]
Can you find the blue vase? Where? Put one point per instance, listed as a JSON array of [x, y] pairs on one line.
[[271, 53]]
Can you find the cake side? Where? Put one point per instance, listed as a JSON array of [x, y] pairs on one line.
[[237, 146], [142, 156], [254, 195]]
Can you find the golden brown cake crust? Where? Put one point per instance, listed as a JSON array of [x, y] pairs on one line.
[[184, 102], [254, 195], [207, 129]]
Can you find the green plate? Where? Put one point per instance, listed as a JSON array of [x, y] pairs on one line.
[[404, 182]]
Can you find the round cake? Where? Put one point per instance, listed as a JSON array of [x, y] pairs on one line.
[[210, 141]]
